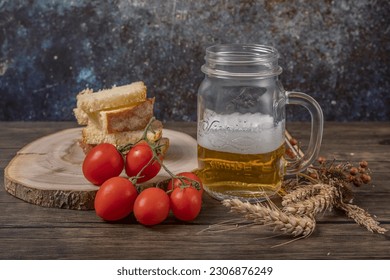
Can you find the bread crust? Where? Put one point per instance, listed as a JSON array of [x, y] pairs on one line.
[[111, 98], [127, 119], [93, 135]]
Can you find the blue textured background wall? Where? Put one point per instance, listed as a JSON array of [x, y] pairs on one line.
[[337, 51]]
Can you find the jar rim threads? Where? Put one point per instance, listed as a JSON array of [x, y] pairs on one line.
[[241, 60]]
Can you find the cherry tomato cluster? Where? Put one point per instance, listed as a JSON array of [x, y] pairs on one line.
[[118, 196]]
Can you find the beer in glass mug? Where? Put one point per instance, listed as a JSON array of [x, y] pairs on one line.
[[241, 123]]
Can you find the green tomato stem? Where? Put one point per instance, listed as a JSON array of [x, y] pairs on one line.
[[155, 149]]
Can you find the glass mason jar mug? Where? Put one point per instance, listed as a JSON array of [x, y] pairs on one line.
[[241, 123]]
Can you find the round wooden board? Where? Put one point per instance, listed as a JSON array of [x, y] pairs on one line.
[[47, 172]]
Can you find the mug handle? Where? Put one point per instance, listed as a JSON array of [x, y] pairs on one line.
[[317, 124]]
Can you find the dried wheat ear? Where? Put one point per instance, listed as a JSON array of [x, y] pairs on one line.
[[320, 188]]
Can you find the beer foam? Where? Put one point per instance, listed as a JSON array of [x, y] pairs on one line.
[[240, 133]]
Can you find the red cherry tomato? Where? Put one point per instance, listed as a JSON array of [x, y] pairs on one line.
[[115, 199], [137, 158], [177, 183], [186, 203], [151, 206], [101, 163]]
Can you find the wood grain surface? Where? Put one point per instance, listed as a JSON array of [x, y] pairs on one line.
[[29, 231], [48, 172]]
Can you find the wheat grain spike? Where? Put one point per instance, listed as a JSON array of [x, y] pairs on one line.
[[362, 217], [272, 216], [301, 193], [313, 205]]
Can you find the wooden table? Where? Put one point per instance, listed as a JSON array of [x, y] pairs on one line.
[[33, 232]]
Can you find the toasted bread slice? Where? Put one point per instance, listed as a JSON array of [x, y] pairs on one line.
[[115, 97], [81, 116], [92, 135], [127, 119]]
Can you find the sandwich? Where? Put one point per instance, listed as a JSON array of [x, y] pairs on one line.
[[118, 116]]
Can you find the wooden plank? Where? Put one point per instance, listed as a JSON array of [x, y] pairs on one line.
[[28, 231], [18, 134], [346, 134], [119, 242], [212, 213], [350, 128], [5, 156]]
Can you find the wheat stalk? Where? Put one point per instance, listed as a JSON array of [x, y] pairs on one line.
[[323, 188], [301, 193], [272, 216], [362, 217], [312, 205]]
